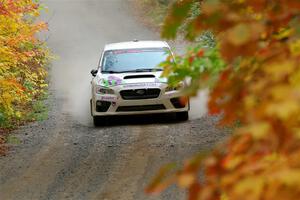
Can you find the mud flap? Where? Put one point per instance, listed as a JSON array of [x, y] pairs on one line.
[[91, 106]]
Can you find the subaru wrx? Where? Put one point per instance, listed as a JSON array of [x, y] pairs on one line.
[[128, 81]]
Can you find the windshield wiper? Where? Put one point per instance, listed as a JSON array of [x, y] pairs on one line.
[[135, 70], [143, 70], [110, 72]]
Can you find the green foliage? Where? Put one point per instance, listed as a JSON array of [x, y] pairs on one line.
[[39, 111], [12, 140], [206, 39], [196, 65]]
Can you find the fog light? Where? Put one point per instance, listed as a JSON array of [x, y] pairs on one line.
[[102, 106], [179, 102]]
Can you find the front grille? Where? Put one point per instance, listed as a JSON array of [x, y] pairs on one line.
[[139, 76], [141, 108], [140, 94]]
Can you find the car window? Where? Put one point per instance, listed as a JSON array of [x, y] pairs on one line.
[[133, 59]]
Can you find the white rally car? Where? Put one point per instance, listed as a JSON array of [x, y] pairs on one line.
[[128, 81]]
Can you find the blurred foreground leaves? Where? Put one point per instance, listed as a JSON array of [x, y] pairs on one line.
[[255, 81]]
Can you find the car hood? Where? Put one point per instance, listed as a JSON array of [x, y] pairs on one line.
[[111, 80]]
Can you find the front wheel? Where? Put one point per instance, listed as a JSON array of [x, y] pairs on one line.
[[182, 116]]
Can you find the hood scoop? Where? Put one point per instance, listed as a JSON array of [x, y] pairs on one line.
[[139, 76]]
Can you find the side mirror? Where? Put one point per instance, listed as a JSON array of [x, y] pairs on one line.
[[94, 72]]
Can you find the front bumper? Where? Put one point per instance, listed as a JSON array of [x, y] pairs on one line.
[[166, 102]]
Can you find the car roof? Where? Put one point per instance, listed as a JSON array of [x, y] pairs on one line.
[[136, 45]]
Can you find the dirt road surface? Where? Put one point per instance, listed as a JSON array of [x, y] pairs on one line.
[[65, 157]]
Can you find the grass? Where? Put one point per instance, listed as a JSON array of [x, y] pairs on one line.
[[10, 139], [39, 110]]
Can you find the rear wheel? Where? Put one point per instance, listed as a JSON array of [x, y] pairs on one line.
[[182, 116]]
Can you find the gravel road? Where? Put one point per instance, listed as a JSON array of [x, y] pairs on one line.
[[65, 157]]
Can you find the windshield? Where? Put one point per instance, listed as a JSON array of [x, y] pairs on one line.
[[138, 60]]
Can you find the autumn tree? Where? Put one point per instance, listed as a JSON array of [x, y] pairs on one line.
[[259, 87], [23, 61], [23, 58]]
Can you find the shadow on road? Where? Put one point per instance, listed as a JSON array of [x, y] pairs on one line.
[[140, 120]]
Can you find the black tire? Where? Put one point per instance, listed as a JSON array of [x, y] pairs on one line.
[[182, 116], [99, 121]]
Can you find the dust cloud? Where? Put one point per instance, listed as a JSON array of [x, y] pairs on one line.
[[75, 40], [199, 104], [72, 83]]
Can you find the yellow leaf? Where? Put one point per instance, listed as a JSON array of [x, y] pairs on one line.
[[43, 85], [283, 110], [290, 177], [295, 48], [18, 114], [281, 92], [233, 162], [258, 130], [224, 197], [284, 33], [239, 34], [252, 186], [185, 180], [279, 70]]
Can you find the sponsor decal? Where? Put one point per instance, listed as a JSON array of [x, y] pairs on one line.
[[109, 98], [111, 81], [133, 85]]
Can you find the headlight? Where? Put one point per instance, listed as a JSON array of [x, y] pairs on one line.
[[104, 90], [179, 86]]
